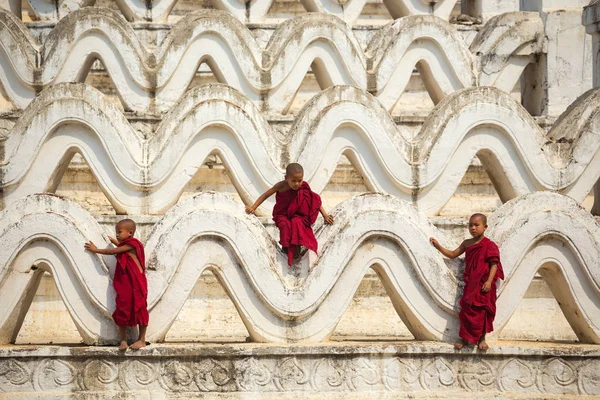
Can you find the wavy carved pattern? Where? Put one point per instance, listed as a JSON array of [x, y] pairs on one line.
[[519, 156], [254, 11], [154, 82], [378, 231]]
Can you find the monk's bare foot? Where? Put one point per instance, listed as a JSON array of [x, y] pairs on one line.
[[138, 345], [123, 345], [483, 346], [459, 345]]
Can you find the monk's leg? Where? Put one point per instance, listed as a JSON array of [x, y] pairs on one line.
[[285, 234], [285, 230], [297, 229], [123, 338], [471, 323], [141, 342], [482, 345]]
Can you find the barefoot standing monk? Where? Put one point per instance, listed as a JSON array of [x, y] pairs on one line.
[[482, 270], [296, 209], [129, 282]]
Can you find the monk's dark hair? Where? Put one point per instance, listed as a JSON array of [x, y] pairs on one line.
[[129, 224], [480, 215], [293, 168]]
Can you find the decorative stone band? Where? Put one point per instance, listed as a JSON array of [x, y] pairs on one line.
[[154, 81], [305, 303], [350, 371], [426, 170], [251, 12]]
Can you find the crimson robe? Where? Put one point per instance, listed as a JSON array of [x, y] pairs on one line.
[[131, 286], [478, 309], [294, 213]]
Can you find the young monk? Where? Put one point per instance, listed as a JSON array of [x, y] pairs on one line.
[[482, 269], [296, 209], [129, 282]]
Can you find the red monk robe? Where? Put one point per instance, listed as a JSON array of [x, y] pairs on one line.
[[478, 309], [131, 286], [294, 213]]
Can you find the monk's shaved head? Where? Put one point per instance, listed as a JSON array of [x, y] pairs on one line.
[[127, 224], [483, 217], [293, 168]]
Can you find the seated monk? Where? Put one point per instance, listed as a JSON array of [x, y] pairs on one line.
[[296, 209]]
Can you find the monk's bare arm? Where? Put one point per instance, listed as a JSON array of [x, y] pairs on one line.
[[448, 253], [487, 286], [113, 240], [90, 246], [277, 187], [328, 218]]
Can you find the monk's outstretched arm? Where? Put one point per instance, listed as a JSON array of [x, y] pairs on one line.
[[487, 286], [328, 218], [448, 253], [90, 246], [278, 186], [113, 240]]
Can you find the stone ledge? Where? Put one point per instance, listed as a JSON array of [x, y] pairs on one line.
[[352, 348], [332, 370]]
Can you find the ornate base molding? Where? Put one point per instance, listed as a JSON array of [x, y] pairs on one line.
[[335, 370]]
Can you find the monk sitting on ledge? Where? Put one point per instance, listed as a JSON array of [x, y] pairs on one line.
[[129, 282], [296, 209], [482, 270]]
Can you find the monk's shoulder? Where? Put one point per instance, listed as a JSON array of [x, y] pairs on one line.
[[468, 242], [281, 186], [491, 246], [491, 241]]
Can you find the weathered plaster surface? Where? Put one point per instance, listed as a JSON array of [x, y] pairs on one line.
[[591, 21]]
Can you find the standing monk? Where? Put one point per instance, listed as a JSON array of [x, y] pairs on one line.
[[296, 209], [482, 270], [129, 282]]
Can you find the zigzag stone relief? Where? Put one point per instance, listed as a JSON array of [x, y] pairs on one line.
[[426, 170], [371, 231], [154, 82]]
